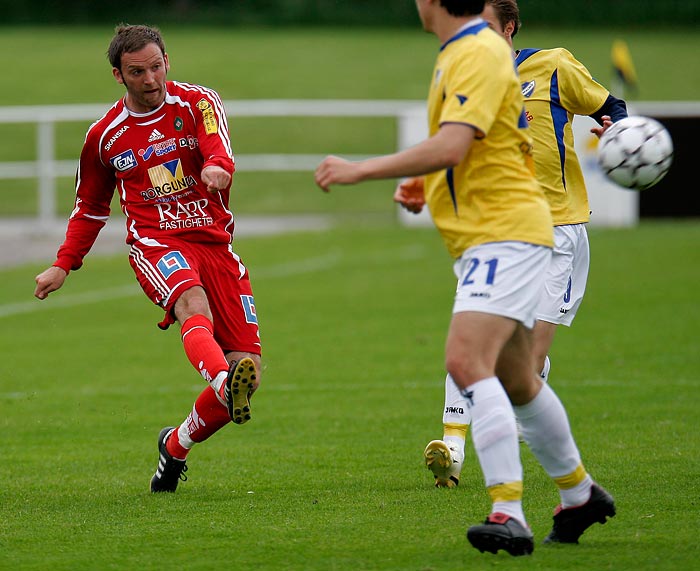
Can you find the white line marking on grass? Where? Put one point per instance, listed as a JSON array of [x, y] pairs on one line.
[[292, 268], [305, 266], [69, 300]]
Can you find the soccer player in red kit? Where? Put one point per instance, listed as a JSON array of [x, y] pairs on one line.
[[165, 148]]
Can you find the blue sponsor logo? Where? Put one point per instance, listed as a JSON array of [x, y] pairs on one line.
[[172, 262], [124, 161], [160, 149], [249, 308]]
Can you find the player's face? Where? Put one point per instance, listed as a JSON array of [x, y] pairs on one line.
[[143, 74]]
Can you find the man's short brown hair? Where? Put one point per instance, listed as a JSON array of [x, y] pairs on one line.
[[507, 11], [129, 39]]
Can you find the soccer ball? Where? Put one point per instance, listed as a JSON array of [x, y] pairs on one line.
[[635, 152]]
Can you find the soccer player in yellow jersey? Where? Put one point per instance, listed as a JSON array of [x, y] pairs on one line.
[[556, 87], [495, 221]]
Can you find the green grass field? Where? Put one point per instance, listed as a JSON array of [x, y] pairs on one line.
[[328, 474]]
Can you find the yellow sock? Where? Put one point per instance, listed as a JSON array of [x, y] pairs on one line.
[[454, 429]]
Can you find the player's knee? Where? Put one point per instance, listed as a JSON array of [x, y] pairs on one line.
[[522, 388], [457, 371], [234, 356], [192, 301], [467, 369]]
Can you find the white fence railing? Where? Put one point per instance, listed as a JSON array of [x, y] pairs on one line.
[[611, 205], [410, 116]]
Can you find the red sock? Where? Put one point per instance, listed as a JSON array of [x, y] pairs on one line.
[[207, 417], [200, 347], [174, 448]]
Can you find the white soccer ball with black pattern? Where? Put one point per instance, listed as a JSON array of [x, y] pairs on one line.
[[635, 152]]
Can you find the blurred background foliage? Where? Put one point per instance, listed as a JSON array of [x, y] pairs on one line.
[[393, 13]]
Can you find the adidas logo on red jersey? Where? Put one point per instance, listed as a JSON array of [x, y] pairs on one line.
[[156, 135]]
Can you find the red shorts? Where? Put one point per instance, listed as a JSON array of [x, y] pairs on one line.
[[166, 271]]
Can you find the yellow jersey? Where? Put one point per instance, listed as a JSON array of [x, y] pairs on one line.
[[556, 87], [492, 195]]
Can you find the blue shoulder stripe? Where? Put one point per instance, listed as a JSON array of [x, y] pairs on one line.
[[524, 54], [470, 31]]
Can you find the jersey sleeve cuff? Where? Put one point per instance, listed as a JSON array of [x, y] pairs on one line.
[[66, 265]]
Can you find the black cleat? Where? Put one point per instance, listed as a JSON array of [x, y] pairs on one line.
[[170, 470], [237, 389], [501, 531], [570, 523]]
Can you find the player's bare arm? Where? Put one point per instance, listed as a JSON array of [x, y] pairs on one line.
[[49, 280], [447, 148], [216, 178]]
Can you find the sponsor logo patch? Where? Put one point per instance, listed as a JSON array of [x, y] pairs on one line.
[[124, 161], [249, 307], [190, 142], [159, 149], [172, 262], [167, 179], [528, 88], [178, 215], [210, 125], [156, 135], [114, 137]]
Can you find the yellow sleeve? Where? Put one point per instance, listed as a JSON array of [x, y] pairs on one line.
[[580, 93], [473, 93]]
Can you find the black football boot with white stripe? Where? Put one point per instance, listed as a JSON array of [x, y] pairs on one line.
[[170, 470]]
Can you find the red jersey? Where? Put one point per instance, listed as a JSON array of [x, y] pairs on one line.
[[154, 161]]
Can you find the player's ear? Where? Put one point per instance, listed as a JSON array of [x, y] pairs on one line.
[[167, 62], [117, 75], [509, 29]]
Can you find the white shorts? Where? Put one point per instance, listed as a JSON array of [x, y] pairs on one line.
[[502, 278], [566, 276]]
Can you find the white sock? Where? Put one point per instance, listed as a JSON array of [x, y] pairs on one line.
[[456, 444], [456, 410], [545, 427], [183, 435], [496, 440], [578, 495], [513, 509], [217, 382], [544, 373]]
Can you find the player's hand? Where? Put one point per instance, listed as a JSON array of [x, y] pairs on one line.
[[49, 280], [607, 122], [410, 194], [216, 178], [334, 170]]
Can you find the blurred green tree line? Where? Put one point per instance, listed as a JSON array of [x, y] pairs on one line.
[[572, 13]]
